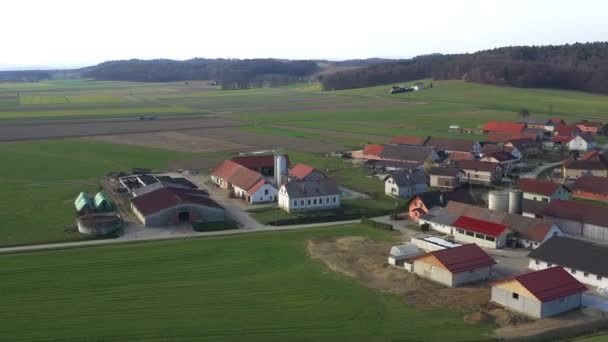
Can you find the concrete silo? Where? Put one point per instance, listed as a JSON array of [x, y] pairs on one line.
[[499, 201], [280, 169], [516, 200]]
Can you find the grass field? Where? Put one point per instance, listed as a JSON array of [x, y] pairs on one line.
[[258, 287], [39, 181]]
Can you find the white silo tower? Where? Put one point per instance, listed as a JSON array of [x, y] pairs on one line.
[[280, 169]]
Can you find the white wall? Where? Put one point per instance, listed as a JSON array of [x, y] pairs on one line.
[[590, 279], [479, 239], [391, 189], [267, 193], [307, 203], [579, 144]]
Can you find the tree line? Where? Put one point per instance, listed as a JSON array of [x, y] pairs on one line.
[[573, 66]]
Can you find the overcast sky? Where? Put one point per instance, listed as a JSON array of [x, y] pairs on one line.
[[74, 33]]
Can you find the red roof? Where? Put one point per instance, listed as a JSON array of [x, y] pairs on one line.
[[236, 174], [550, 284], [409, 140], [500, 137], [538, 186], [590, 155], [479, 226], [301, 171], [256, 186], [590, 124], [562, 139], [591, 184], [462, 258], [577, 212], [566, 130], [254, 162], [510, 127], [373, 149], [168, 197], [557, 121]]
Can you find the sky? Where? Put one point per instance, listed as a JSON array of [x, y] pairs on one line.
[[66, 33]]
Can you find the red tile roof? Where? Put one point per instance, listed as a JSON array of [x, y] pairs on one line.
[[538, 186], [557, 121], [567, 130], [409, 140], [236, 174], [373, 149], [257, 186], [590, 155], [301, 170], [510, 127], [592, 184], [590, 124], [254, 162], [550, 284], [562, 139], [577, 211], [501, 137], [462, 258], [460, 156], [167, 197], [480, 226]]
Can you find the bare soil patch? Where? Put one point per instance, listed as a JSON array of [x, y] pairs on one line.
[[174, 141]]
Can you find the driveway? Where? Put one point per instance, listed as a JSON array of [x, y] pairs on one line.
[[534, 173]]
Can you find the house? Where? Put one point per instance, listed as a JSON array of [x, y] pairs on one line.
[[581, 259], [420, 204], [592, 163], [542, 190], [167, 205], [578, 219], [523, 231], [539, 294], [591, 187], [532, 208], [567, 131], [453, 145], [503, 158], [402, 153], [504, 127], [534, 133], [583, 142], [455, 266], [298, 195], [502, 137], [306, 172], [489, 148], [523, 146], [445, 177], [406, 183], [480, 172], [389, 165], [263, 164], [589, 127], [457, 156], [535, 122], [405, 140], [483, 233], [243, 183]]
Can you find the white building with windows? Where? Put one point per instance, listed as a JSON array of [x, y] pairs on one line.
[[406, 183], [298, 195]]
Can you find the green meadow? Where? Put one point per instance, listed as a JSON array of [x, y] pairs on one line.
[[258, 287]]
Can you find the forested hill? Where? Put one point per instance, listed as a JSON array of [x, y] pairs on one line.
[[576, 67], [230, 73]]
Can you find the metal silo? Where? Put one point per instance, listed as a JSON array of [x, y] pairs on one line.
[[280, 169], [516, 200], [499, 201]]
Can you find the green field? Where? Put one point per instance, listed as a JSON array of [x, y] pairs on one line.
[[257, 287], [39, 181]]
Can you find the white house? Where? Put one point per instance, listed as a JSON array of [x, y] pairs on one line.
[[298, 195], [584, 142], [243, 183], [406, 183]]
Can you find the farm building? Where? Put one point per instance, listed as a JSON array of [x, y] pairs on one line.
[[306, 172], [263, 164], [567, 131], [525, 231], [490, 148], [581, 259], [480, 172], [243, 183], [531, 208], [404, 140], [389, 165], [583, 142], [137, 181], [542, 190], [455, 266], [535, 122], [445, 177], [592, 163], [578, 219], [539, 294], [589, 127], [504, 127], [406, 183], [483, 233], [403, 153], [453, 145], [503, 137], [400, 253], [522, 146], [168, 205], [420, 204], [591, 188], [503, 158], [297, 195]]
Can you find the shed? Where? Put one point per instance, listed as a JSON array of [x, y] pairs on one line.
[[400, 253]]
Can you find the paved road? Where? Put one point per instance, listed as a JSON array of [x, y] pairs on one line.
[[534, 173]]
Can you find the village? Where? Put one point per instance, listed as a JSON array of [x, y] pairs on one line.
[[519, 212]]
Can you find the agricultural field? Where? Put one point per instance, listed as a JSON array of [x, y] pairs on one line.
[[39, 181], [261, 286]]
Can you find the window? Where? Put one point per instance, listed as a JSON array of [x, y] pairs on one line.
[[301, 202], [573, 271], [598, 277], [326, 200], [309, 202], [561, 300], [537, 262], [545, 199], [515, 295], [586, 274], [314, 201], [295, 203], [470, 233], [460, 231], [479, 236], [335, 199], [266, 192], [490, 238]]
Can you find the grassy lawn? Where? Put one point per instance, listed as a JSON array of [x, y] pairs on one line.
[[39, 181], [262, 287]]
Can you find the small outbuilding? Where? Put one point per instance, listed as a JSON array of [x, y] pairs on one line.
[[539, 294], [400, 253], [455, 266]]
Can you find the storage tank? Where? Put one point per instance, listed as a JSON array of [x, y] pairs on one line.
[[280, 169], [498, 200], [516, 200]]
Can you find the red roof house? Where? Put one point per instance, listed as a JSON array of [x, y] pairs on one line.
[[591, 187], [480, 226], [567, 131], [243, 183], [306, 172], [547, 188], [508, 127]]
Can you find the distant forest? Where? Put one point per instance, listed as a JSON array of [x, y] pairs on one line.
[[576, 67]]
